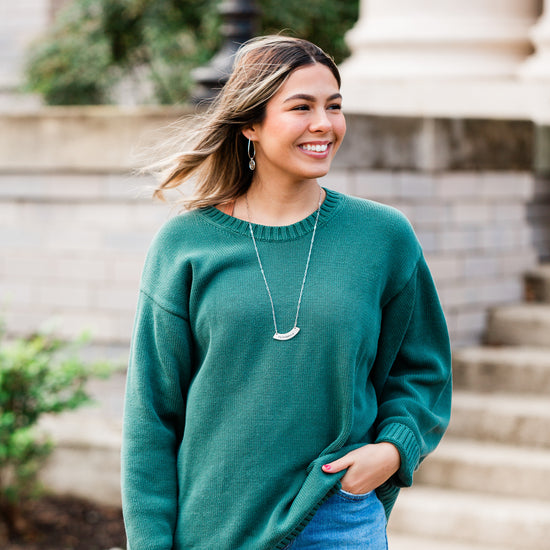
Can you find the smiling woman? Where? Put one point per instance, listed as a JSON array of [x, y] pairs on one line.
[[241, 435], [295, 143]]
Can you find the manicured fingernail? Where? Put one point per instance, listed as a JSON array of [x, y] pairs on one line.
[[326, 467]]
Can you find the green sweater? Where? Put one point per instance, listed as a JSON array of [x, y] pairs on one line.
[[225, 428]]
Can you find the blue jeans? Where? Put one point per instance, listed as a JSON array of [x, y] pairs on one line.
[[345, 522]]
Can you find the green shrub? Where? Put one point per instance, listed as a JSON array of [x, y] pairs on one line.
[[73, 63], [39, 375], [93, 44], [96, 43]]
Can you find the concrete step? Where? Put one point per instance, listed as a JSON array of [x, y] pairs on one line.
[[537, 284], [520, 325], [398, 541], [472, 518], [86, 459], [488, 468], [502, 369], [522, 420]]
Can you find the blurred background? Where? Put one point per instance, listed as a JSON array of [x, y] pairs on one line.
[[448, 110]]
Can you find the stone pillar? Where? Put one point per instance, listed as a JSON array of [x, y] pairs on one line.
[[535, 72], [535, 75], [439, 57]]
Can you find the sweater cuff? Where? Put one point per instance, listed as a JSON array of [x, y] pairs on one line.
[[403, 438]]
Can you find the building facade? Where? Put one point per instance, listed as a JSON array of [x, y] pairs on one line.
[[446, 121]]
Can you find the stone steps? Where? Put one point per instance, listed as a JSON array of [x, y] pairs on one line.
[[401, 542], [504, 369], [487, 485], [472, 518], [501, 418], [525, 324], [508, 470]]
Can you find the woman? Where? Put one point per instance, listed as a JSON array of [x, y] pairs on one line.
[[290, 361]]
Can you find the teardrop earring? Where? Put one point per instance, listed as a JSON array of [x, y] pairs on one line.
[[252, 162]]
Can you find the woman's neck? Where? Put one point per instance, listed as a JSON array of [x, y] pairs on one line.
[[278, 205]]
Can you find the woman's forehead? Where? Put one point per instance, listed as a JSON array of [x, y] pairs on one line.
[[315, 81]]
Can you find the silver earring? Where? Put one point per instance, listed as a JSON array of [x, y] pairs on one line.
[[252, 162]]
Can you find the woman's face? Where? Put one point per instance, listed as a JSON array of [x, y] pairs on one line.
[[302, 129]]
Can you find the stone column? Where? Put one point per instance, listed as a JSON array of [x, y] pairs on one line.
[[535, 71], [535, 75], [439, 57]]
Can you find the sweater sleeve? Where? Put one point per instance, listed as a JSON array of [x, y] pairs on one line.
[[412, 373], [154, 415]]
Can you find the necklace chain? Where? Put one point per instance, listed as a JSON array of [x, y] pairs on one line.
[[295, 329]]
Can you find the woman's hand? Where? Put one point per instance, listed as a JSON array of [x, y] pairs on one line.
[[367, 467]]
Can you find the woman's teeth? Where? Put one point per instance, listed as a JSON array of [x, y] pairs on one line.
[[315, 148]]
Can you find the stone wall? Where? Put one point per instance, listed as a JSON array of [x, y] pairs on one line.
[[467, 187], [75, 223], [539, 209], [74, 220]]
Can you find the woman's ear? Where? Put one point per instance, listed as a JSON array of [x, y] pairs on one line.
[[249, 132]]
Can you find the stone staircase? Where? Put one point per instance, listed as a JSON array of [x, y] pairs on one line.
[[487, 487]]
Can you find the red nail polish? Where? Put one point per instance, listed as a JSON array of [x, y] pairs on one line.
[[326, 467]]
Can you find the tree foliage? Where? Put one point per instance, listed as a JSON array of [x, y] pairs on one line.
[[39, 375], [95, 44], [322, 22]]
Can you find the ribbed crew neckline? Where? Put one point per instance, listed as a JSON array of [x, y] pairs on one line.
[[277, 233]]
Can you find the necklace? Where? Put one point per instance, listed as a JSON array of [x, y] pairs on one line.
[[295, 329]]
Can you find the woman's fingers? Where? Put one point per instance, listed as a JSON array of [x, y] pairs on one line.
[[338, 465], [367, 467]]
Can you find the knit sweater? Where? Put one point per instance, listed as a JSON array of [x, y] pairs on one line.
[[225, 428]]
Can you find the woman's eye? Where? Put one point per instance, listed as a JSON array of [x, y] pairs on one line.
[[301, 108], [335, 107]]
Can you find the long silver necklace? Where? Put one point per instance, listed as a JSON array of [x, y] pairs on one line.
[[295, 329]]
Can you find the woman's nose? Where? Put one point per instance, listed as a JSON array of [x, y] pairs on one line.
[[320, 121]]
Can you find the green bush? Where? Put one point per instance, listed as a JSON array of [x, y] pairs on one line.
[[73, 63], [39, 375], [93, 44]]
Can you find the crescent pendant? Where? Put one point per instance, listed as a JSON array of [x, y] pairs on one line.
[[295, 330], [287, 335]]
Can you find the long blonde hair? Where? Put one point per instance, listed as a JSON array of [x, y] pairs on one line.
[[217, 161]]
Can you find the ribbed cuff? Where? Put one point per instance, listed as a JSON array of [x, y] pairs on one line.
[[403, 438]]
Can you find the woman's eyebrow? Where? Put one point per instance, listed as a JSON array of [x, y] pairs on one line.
[[307, 97]]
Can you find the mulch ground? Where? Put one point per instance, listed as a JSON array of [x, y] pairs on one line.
[[66, 523]]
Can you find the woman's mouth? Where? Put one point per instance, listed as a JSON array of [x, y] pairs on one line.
[[315, 148]]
